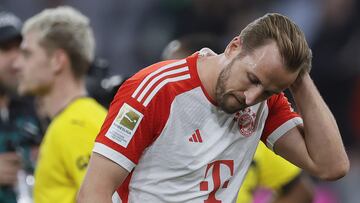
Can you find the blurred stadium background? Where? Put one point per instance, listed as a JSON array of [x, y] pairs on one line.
[[132, 34]]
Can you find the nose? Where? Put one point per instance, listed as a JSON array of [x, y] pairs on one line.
[[17, 63], [253, 95], [12, 56]]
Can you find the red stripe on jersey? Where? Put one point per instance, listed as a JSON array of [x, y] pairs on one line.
[[159, 77], [156, 74], [159, 84]]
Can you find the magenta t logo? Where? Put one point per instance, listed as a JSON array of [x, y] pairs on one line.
[[204, 185]]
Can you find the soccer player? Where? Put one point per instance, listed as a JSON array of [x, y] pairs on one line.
[[57, 49], [267, 171], [186, 130]]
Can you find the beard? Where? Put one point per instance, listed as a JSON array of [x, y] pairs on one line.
[[227, 101]]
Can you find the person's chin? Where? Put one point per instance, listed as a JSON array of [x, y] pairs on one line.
[[24, 92], [231, 109], [232, 105]]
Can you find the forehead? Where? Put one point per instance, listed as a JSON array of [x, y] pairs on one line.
[[267, 65], [30, 41]]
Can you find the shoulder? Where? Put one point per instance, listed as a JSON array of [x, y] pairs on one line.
[[84, 108], [84, 105], [163, 80], [81, 115]]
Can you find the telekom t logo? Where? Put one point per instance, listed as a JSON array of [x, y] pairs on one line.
[[204, 185]]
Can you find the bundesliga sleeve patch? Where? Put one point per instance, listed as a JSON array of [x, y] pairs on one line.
[[124, 125]]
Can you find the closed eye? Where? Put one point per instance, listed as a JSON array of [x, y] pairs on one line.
[[253, 79]]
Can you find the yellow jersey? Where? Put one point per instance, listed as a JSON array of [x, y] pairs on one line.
[[267, 170], [65, 151]]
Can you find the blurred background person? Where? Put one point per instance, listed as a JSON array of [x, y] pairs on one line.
[[56, 52], [20, 129], [273, 179], [283, 181]]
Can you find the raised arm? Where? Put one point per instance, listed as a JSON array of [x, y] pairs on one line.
[[317, 146], [101, 180]]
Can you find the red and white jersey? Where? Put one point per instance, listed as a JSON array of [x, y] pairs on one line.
[[178, 145]]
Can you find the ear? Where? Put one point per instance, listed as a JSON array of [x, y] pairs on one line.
[[233, 48], [59, 60]]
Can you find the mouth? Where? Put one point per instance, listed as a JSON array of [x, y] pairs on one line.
[[235, 102], [242, 103], [239, 99]]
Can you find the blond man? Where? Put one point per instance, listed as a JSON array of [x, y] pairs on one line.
[[56, 51]]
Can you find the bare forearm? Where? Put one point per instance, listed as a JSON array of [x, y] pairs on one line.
[[321, 133], [94, 198], [101, 180], [94, 190]]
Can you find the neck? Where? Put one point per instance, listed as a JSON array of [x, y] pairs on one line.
[[61, 94], [209, 68]]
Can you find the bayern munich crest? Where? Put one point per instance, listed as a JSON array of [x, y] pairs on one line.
[[246, 121]]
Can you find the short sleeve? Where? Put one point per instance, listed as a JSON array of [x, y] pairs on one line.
[[130, 126], [281, 118], [140, 110]]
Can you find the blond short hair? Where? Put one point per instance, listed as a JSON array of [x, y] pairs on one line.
[[65, 28], [288, 36]]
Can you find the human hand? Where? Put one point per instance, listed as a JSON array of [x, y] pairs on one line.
[[300, 82], [10, 163]]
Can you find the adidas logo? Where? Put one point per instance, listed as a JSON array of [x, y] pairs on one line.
[[196, 137]]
